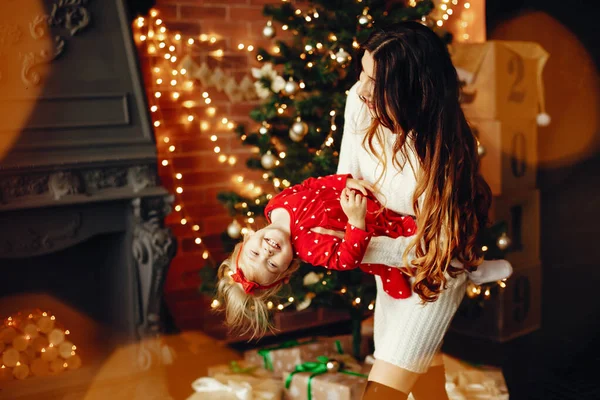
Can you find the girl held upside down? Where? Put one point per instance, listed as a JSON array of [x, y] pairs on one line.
[[264, 261]]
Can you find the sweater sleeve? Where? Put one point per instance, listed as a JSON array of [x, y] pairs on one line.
[[337, 182], [348, 161], [388, 251], [332, 253]]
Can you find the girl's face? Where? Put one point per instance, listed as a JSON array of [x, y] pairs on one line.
[[266, 255], [366, 79]]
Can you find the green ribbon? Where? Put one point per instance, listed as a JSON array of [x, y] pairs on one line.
[[338, 346], [266, 353], [235, 368], [316, 368]]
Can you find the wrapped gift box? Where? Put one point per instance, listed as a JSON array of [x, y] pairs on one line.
[[503, 78], [285, 357], [508, 313], [331, 385], [242, 368], [236, 387], [510, 160]]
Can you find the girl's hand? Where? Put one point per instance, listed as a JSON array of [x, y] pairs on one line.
[[355, 207], [360, 185]]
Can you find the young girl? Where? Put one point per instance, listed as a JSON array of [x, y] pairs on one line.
[[265, 259]]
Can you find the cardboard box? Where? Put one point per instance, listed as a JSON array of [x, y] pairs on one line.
[[521, 212], [508, 313], [504, 78], [510, 160]]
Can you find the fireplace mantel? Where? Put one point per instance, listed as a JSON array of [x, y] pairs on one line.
[[84, 160]]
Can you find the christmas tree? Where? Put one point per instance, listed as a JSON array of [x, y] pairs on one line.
[[303, 85]]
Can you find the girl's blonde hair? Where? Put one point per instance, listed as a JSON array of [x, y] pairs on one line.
[[246, 312], [416, 95]]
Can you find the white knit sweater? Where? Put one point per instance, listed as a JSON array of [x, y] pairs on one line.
[[407, 333]]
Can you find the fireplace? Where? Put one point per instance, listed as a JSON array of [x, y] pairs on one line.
[[81, 207]]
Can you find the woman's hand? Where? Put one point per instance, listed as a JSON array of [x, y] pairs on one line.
[[360, 185]]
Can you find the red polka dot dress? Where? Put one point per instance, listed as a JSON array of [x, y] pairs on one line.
[[316, 203]]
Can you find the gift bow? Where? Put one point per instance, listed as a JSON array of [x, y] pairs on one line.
[[316, 368], [238, 390], [213, 388], [235, 368]]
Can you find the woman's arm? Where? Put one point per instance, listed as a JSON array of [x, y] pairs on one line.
[[388, 251], [348, 161]]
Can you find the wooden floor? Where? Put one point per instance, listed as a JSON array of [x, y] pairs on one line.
[[131, 372]]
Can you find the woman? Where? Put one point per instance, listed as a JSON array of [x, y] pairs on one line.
[[406, 133]]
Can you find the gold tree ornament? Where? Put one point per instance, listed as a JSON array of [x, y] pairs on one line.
[[267, 160], [269, 30], [291, 87], [503, 241]]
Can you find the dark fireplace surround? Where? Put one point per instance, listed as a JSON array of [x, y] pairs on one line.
[[81, 207]]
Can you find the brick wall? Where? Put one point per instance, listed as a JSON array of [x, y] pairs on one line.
[[232, 22]]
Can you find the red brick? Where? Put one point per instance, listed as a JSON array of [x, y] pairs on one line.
[[202, 12], [167, 12], [251, 13], [185, 28], [263, 2], [236, 32]]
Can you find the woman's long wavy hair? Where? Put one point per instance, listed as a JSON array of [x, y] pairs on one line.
[[416, 96]]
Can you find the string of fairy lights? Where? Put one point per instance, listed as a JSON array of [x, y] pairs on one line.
[[174, 84]]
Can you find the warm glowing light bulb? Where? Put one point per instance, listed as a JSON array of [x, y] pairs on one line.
[[157, 95], [217, 149], [467, 5], [250, 48], [183, 221], [190, 41], [198, 241], [177, 37], [153, 108], [171, 148], [241, 46], [175, 95], [156, 124], [177, 208], [196, 228], [179, 190], [166, 139], [190, 118], [165, 163], [153, 12]]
